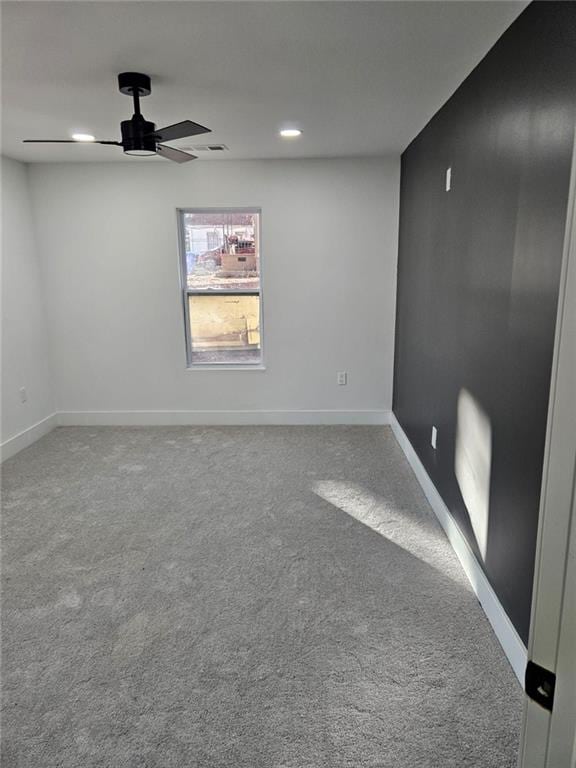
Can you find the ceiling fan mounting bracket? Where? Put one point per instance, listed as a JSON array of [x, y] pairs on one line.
[[134, 83]]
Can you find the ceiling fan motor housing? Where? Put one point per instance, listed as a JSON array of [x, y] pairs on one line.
[[138, 136]]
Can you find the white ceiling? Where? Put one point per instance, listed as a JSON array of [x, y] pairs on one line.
[[360, 78]]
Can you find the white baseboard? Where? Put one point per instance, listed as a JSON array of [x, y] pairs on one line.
[[182, 418], [28, 436], [220, 418], [505, 631]]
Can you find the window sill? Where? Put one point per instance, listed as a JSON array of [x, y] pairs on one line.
[[223, 367]]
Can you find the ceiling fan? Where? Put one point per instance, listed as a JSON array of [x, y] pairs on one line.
[[139, 136]]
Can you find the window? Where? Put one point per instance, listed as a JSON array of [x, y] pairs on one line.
[[220, 252]]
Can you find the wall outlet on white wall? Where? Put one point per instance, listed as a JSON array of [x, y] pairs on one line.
[[23, 395], [342, 378], [433, 438]]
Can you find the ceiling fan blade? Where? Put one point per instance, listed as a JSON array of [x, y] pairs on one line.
[[67, 141], [176, 155], [180, 131]]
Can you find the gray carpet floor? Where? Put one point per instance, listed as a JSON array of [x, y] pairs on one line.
[[239, 597]]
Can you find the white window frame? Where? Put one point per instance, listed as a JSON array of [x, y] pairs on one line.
[[186, 291]]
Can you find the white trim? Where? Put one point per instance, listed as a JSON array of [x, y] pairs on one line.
[[24, 439], [222, 367], [182, 418], [222, 417], [548, 738], [505, 631]]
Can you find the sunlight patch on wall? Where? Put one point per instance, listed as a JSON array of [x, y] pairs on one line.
[[472, 464]]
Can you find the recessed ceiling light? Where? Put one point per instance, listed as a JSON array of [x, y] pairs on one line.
[[83, 137], [290, 133]]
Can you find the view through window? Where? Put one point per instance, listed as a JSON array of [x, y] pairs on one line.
[[222, 298]]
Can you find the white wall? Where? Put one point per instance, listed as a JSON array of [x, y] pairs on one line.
[[25, 353], [108, 240]]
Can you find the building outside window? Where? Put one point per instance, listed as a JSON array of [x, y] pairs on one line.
[[220, 253]]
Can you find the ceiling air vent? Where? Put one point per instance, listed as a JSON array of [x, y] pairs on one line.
[[210, 148]]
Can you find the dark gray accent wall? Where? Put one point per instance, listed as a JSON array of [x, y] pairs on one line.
[[478, 279]]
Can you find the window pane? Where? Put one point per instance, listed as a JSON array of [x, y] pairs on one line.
[[224, 329], [222, 250]]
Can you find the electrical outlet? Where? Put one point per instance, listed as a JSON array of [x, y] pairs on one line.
[[448, 179], [342, 378], [23, 395], [433, 438]]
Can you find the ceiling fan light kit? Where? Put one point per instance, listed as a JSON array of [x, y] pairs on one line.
[[139, 136]]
